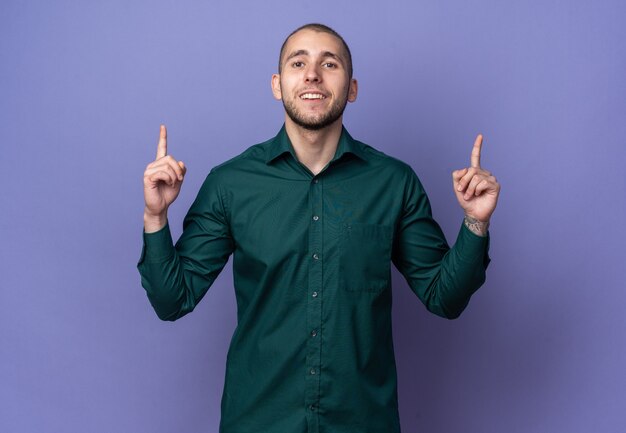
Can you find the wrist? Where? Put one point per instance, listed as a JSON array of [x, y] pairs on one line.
[[479, 228], [153, 223]]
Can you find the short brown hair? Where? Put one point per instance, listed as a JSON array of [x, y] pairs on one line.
[[321, 28]]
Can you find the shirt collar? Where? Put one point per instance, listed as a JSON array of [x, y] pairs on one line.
[[281, 145]]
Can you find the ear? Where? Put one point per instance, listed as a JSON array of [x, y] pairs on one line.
[[278, 95], [353, 90]]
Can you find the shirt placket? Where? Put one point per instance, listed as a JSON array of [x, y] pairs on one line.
[[314, 306]]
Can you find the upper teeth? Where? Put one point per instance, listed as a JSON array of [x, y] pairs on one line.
[[312, 96]]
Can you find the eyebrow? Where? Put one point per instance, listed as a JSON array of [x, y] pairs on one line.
[[306, 53]]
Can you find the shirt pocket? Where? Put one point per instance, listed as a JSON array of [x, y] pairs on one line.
[[365, 260]]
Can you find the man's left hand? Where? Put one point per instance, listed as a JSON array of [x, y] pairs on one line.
[[476, 189]]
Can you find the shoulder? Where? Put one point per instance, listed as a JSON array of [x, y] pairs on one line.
[[221, 179], [221, 174], [387, 164], [249, 158], [394, 172]]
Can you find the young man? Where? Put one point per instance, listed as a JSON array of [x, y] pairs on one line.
[[314, 220]]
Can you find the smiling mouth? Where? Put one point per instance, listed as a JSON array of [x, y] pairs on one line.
[[312, 96]]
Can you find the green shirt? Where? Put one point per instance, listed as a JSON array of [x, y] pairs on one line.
[[313, 350]]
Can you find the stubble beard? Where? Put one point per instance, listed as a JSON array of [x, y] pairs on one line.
[[316, 123]]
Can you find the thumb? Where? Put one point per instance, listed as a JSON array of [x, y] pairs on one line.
[[458, 174]]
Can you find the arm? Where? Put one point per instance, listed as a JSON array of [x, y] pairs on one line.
[[443, 278], [177, 277]]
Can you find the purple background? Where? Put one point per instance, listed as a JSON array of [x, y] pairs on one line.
[[84, 86]]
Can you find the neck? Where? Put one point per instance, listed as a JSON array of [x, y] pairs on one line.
[[314, 149]]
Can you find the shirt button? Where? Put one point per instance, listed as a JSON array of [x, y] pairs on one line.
[[312, 407], [312, 371], [313, 333], [314, 294], [316, 256], [316, 180], [315, 217]]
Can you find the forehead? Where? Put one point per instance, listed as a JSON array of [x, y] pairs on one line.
[[314, 42]]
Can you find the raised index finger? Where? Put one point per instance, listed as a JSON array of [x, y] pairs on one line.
[[162, 146], [475, 159]]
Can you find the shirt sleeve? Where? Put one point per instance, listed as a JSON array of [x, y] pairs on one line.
[[443, 278], [176, 277]]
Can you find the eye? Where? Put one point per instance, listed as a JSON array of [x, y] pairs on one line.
[[297, 64], [329, 65]]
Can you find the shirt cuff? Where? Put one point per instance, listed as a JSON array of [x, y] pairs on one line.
[[157, 246], [471, 247]]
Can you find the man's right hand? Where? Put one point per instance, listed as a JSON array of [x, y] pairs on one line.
[[161, 184]]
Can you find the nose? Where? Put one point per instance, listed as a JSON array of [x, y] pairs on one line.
[[312, 75]]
